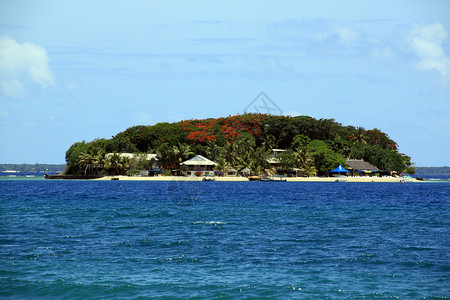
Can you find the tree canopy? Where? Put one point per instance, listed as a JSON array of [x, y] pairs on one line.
[[245, 141]]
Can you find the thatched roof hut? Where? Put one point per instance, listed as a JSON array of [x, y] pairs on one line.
[[360, 165]]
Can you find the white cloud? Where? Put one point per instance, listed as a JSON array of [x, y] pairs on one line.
[[12, 88], [346, 34], [383, 52], [426, 43], [19, 62], [314, 32]]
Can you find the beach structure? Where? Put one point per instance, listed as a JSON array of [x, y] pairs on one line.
[[199, 164], [246, 171], [339, 170], [230, 172], [273, 160], [360, 166]]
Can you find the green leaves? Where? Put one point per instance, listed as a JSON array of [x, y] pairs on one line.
[[246, 139]]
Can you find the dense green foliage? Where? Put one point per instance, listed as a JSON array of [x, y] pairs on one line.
[[244, 141]]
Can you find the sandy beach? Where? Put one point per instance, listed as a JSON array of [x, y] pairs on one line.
[[288, 179]]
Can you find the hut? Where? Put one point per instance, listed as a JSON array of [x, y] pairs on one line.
[[199, 164], [231, 172], [360, 166]]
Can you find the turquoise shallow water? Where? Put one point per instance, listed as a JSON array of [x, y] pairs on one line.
[[128, 240]]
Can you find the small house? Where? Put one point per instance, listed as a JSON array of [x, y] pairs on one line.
[[360, 166], [199, 164]]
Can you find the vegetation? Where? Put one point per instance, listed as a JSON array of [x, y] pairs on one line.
[[240, 142]]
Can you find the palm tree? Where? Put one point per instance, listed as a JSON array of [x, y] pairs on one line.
[[119, 163], [310, 170], [212, 150], [245, 144], [229, 153], [222, 165], [243, 161], [182, 152], [86, 160], [259, 161], [92, 158], [269, 142], [360, 135], [304, 159]]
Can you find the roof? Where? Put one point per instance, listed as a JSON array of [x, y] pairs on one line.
[[198, 160], [273, 158], [132, 155], [339, 169], [246, 170], [359, 164]]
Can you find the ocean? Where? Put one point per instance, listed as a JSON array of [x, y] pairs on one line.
[[223, 240]]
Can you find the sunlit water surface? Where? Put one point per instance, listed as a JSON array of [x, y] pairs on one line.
[[124, 240]]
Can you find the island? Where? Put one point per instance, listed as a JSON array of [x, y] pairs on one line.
[[239, 147]]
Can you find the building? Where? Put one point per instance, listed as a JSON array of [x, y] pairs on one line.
[[360, 166], [199, 165], [273, 160]]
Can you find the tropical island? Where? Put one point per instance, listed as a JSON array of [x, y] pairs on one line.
[[241, 145]]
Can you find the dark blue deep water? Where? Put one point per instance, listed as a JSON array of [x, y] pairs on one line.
[[170, 240]]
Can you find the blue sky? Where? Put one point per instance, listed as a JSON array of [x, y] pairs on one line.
[[80, 70]]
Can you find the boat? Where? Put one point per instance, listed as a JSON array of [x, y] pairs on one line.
[[274, 178], [208, 179]]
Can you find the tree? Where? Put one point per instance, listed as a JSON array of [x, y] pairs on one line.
[[258, 160], [300, 141], [325, 159], [269, 142], [140, 161], [409, 167], [222, 165], [92, 158], [120, 144], [287, 160], [167, 157], [310, 170], [182, 152], [244, 161], [238, 138], [230, 153], [117, 164], [212, 150], [359, 135], [73, 158]]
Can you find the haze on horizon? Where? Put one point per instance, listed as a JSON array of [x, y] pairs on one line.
[[80, 70]]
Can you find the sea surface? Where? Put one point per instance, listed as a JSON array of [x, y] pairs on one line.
[[223, 240]]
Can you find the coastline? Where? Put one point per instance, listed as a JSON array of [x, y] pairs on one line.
[[243, 179]]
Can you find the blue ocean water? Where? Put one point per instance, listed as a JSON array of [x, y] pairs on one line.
[[207, 240]]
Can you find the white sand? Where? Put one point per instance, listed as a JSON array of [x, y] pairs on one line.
[[289, 179]]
